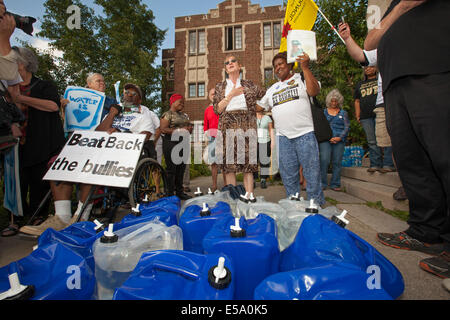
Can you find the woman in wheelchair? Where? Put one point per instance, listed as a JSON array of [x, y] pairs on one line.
[[131, 117]]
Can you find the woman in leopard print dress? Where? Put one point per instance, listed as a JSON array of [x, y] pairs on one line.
[[236, 143]]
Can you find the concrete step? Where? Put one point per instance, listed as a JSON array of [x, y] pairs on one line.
[[374, 192], [390, 179]]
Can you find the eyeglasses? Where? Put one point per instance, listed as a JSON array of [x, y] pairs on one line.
[[231, 61], [130, 93]]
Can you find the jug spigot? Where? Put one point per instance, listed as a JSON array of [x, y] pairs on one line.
[[198, 193], [236, 231], [340, 219], [145, 200], [109, 236], [135, 211], [17, 291], [219, 277], [99, 227], [205, 211], [295, 197], [312, 207]]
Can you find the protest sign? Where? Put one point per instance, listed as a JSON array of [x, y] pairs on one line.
[[84, 109], [300, 42], [98, 158]]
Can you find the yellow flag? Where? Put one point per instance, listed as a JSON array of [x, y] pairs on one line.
[[300, 15]]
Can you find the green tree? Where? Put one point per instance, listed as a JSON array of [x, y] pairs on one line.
[[121, 42], [334, 67]]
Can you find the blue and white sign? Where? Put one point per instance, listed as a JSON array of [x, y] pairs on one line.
[[84, 109]]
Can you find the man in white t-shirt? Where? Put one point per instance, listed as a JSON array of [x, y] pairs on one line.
[[289, 102]]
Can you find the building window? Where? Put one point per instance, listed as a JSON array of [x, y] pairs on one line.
[[196, 90], [272, 34], [171, 69], [268, 74], [201, 90], [233, 38], [197, 42], [192, 90]]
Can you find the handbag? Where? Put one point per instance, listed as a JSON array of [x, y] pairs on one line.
[[9, 112], [322, 127]]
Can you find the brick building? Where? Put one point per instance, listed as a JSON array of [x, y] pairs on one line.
[[202, 41]]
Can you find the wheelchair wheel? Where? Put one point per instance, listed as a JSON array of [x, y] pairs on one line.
[[144, 182]]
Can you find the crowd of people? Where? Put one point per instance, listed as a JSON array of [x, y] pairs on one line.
[[404, 115]]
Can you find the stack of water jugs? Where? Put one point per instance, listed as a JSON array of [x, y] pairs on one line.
[[353, 156], [213, 247]]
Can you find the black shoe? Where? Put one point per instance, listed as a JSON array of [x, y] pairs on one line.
[[263, 184], [439, 265], [400, 194], [403, 241], [183, 196]]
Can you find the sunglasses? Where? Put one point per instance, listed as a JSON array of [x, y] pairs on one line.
[[130, 93], [231, 61]]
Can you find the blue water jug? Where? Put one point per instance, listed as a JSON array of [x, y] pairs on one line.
[[139, 215], [325, 282], [172, 204], [79, 237], [51, 272], [252, 245], [197, 221], [320, 241], [179, 275]]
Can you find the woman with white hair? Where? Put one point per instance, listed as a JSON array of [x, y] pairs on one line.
[[333, 150], [42, 132]]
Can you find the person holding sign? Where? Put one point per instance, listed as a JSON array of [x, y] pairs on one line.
[[291, 110]]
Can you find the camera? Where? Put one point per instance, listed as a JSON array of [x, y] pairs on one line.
[[24, 23]]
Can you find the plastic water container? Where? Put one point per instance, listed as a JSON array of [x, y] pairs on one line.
[[179, 275], [171, 204], [210, 199], [116, 254], [325, 282], [141, 215], [197, 221], [78, 237], [320, 241], [51, 272], [252, 246]]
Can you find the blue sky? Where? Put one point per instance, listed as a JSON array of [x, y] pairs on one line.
[[164, 12]]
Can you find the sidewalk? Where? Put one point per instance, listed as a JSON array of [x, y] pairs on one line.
[[364, 221]]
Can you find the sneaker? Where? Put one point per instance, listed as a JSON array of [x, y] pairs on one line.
[[53, 222], [446, 284], [373, 169], [403, 241], [400, 194], [387, 169], [439, 265]]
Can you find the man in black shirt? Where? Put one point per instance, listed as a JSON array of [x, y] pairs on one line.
[[365, 100], [413, 58]]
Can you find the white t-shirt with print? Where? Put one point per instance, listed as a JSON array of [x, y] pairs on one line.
[[291, 109], [135, 122]]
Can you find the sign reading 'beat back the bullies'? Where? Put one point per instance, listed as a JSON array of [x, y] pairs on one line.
[[98, 158]]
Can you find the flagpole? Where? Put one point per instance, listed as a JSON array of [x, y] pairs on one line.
[[332, 27]]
